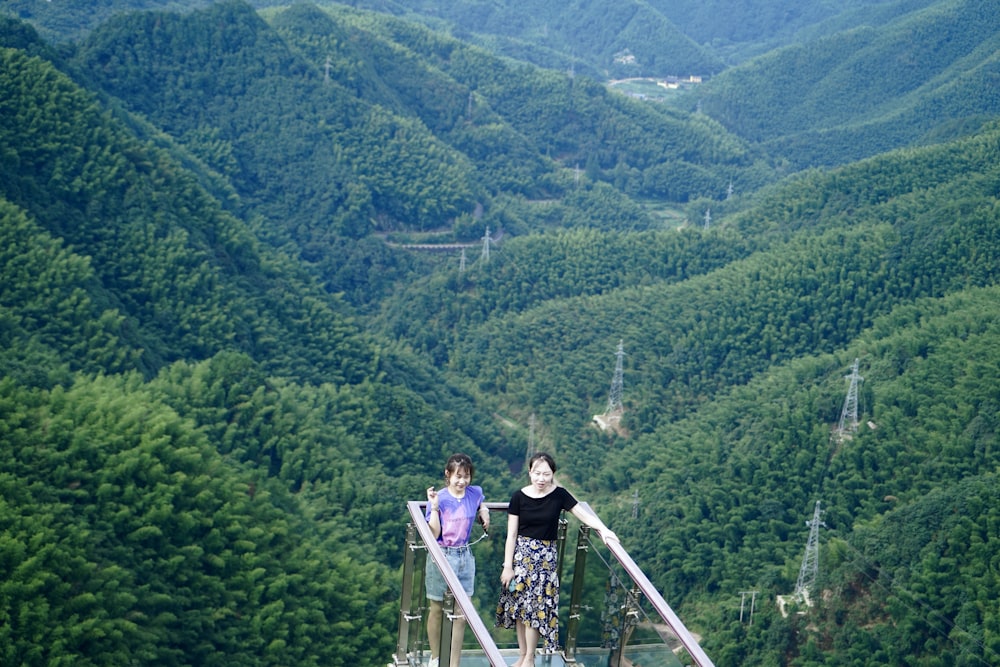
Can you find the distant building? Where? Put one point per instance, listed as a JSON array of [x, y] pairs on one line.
[[625, 58]]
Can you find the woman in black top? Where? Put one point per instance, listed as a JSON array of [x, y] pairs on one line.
[[529, 599]]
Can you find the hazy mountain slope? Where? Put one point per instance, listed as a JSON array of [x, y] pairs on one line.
[[299, 150], [737, 29], [599, 34], [439, 128], [861, 92], [58, 21], [583, 124]]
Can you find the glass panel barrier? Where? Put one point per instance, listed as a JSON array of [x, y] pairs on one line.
[[618, 626], [623, 614]]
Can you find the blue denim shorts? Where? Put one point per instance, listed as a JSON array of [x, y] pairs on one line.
[[462, 562]]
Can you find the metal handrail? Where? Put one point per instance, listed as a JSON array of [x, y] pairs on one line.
[[462, 599]]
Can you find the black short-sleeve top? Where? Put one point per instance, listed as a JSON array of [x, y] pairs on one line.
[[538, 518]]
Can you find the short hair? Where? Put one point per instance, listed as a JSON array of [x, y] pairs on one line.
[[457, 461]]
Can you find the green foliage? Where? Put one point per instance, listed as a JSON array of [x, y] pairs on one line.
[[570, 119], [869, 90], [586, 35], [126, 534], [51, 324]]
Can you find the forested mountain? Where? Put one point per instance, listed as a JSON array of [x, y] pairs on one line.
[[923, 77], [396, 128], [615, 39], [193, 429], [222, 371]]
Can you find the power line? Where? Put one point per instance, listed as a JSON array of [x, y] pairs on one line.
[[531, 440]]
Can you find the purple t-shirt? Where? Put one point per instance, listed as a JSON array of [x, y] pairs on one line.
[[457, 515]]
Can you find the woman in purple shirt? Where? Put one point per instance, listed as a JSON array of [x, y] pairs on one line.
[[450, 514], [529, 599]]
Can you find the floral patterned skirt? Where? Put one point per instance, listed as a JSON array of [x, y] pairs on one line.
[[535, 598]]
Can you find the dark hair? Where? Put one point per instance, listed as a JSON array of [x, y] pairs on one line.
[[456, 461], [542, 456]]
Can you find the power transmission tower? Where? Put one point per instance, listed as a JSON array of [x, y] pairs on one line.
[[635, 504], [753, 599], [708, 218], [486, 245], [461, 262], [849, 413], [531, 439], [617, 384], [326, 75], [810, 562]]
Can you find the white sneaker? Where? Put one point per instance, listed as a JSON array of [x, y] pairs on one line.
[[433, 663]]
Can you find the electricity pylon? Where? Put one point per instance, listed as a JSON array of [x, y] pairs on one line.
[[617, 384], [849, 413], [486, 245], [810, 562], [531, 440]]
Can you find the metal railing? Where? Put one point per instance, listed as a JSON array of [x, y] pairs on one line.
[[634, 621]]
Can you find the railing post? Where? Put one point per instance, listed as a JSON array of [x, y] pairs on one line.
[[576, 596], [406, 616], [560, 546], [447, 626], [630, 611]]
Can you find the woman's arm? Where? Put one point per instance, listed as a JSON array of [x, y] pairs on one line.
[[484, 517], [594, 521], [434, 520], [508, 550]]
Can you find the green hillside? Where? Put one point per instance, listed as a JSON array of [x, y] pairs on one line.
[[179, 400], [589, 37], [926, 76], [398, 129], [222, 373]]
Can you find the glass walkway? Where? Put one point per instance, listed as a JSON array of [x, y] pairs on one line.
[[610, 614]]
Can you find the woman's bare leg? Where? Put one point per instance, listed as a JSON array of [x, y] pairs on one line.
[[531, 636], [457, 635], [434, 615], [521, 644]]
